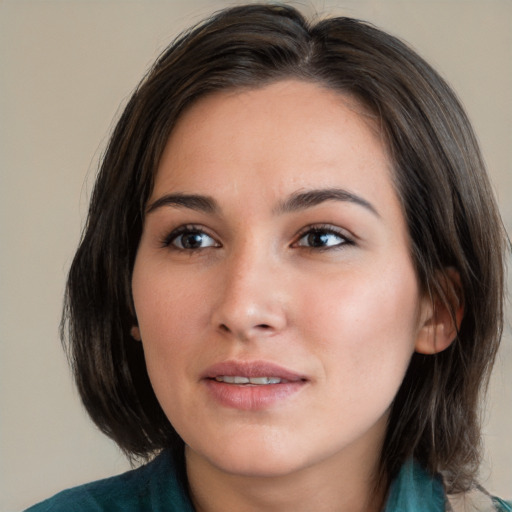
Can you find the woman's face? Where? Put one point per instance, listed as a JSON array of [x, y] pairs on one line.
[[276, 298]]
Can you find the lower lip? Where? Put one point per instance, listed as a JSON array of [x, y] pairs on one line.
[[252, 397]]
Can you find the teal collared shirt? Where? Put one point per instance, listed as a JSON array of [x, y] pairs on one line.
[[415, 490], [157, 487]]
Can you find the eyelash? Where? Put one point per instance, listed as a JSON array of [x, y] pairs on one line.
[[190, 229]]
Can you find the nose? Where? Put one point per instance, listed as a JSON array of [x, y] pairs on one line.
[[251, 297]]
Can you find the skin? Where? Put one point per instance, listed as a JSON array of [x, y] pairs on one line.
[[341, 307]]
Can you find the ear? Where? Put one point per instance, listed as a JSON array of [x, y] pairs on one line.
[[441, 315], [135, 333]]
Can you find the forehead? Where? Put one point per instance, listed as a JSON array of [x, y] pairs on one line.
[[283, 136]]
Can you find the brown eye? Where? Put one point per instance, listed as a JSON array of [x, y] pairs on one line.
[[190, 239], [322, 239]]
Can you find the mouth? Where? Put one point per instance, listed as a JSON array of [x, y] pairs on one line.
[[254, 385], [251, 372]]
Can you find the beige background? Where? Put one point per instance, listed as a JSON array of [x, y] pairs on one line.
[[65, 67]]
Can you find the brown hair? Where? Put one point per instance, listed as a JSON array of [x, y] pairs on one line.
[[440, 178]]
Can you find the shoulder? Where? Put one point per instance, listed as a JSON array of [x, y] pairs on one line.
[[415, 489], [476, 500], [154, 486]]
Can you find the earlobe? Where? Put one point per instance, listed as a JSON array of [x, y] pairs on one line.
[[135, 333], [441, 315]]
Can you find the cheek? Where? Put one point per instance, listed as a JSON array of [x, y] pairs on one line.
[[169, 328], [363, 331], [170, 313], [166, 303], [365, 320]]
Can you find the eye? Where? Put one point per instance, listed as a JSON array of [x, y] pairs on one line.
[[189, 238], [323, 238]]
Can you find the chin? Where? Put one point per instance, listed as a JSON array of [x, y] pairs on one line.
[[264, 467], [249, 459]]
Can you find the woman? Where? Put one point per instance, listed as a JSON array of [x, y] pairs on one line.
[[289, 291]]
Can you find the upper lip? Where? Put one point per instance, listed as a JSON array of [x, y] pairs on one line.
[[251, 369]]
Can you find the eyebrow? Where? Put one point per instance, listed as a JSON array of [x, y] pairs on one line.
[[295, 202], [310, 198], [197, 202]]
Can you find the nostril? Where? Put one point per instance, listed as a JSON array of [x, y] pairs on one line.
[[262, 327]]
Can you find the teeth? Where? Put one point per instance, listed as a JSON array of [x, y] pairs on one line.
[[265, 380], [229, 379]]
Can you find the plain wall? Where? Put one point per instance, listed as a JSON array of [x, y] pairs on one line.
[[65, 69]]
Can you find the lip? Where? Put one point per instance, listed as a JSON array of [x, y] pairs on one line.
[[252, 397]]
